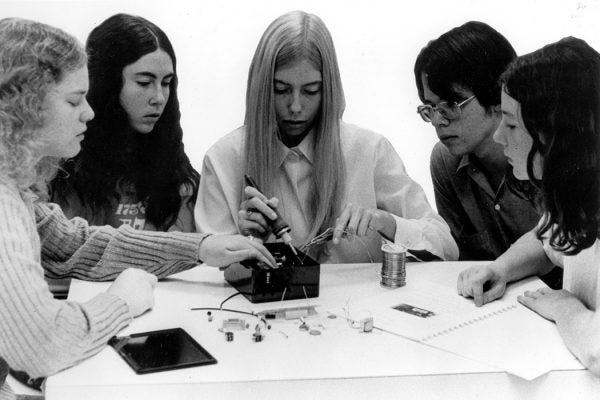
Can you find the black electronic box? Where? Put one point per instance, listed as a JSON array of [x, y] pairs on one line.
[[296, 277]]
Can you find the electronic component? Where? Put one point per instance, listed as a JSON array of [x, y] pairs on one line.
[[367, 324], [257, 336], [292, 280], [234, 324]]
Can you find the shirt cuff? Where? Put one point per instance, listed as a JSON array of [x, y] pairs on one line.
[[409, 235]]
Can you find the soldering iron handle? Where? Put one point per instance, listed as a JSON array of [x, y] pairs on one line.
[[278, 225]]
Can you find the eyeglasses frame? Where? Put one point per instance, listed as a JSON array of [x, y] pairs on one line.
[[457, 106]]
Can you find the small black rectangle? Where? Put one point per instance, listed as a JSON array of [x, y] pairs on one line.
[[292, 280], [162, 350], [412, 310]]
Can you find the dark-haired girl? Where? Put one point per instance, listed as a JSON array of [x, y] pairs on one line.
[[550, 131], [132, 168]]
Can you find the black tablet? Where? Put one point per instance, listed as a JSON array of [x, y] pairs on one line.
[[161, 350]]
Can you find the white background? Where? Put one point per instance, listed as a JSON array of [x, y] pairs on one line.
[[377, 42]]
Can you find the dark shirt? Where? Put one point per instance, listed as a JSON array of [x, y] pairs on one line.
[[484, 222]]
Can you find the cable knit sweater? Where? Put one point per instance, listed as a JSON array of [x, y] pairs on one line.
[[41, 335]]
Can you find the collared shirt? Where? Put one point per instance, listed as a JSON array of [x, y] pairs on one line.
[[375, 178], [484, 221]]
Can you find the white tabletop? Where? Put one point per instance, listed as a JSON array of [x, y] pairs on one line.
[[341, 362]]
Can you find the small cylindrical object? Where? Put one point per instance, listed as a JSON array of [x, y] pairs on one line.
[[393, 267], [210, 317]]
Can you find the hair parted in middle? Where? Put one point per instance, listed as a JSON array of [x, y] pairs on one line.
[[471, 56], [558, 90], [111, 152], [294, 37]]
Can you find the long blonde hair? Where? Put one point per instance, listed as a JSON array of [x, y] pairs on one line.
[[293, 37], [33, 58]]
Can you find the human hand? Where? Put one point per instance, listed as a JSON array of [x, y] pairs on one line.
[[359, 221], [135, 286], [544, 301], [256, 213], [224, 250], [483, 283]]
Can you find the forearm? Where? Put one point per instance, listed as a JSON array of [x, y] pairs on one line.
[[72, 248], [42, 336], [526, 257], [580, 329]]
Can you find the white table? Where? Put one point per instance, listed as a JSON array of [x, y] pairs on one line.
[[289, 363]]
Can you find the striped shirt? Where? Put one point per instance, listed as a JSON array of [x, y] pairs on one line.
[[41, 335]]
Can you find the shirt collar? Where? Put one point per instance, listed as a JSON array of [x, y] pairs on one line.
[[465, 161], [305, 148]]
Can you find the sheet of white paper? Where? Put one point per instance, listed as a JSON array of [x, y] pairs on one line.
[[502, 333]]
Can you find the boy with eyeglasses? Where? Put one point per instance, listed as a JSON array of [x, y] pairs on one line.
[[457, 79]]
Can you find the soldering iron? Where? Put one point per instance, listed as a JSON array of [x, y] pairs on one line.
[[280, 228]]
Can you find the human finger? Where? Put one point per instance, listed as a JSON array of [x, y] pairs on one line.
[[526, 301], [264, 254], [478, 294], [273, 202], [466, 283], [364, 224], [460, 282], [251, 253], [494, 292], [256, 204], [355, 217], [340, 224], [251, 192], [254, 220], [532, 294], [545, 290], [248, 225]]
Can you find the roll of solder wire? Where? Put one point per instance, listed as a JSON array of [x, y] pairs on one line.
[[393, 267]]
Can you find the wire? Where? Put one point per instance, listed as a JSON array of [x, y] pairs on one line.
[[229, 310], [327, 235], [223, 302]]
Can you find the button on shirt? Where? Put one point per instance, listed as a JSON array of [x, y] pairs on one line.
[[484, 222], [375, 178]]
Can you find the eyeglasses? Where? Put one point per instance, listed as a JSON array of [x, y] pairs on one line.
[[450, 111]]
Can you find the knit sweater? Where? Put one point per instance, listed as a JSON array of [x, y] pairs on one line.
[[41, 335]]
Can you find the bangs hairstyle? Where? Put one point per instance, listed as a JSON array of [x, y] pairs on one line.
[[558, 88], [112, 154], [34, 57], [291, 38], [471, 56]]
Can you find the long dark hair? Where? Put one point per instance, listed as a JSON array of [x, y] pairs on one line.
[[558, 88], [155, 163]]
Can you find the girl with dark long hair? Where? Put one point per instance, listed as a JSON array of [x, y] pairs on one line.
[[132, 168], [550, 131]]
